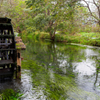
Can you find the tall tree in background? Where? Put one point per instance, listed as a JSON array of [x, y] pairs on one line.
[[71, 15], [51, 15], [95, 14]]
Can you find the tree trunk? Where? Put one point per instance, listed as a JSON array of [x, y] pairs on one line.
[[18, 29], [52, 36], [99, 23], [99, 18]]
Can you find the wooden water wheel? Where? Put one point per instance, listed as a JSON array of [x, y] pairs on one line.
[[8, 54]]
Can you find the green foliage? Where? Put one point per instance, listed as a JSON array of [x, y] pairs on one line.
[[37, 35], [14, 9], [82, 37], [53, 89], [10, 94], [41, 58], [50, 16]]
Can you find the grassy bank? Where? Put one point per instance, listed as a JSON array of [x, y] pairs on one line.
[[81, 38], [10, 94]]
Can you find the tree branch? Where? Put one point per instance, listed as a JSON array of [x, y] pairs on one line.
[[90, 9], [96, 5]]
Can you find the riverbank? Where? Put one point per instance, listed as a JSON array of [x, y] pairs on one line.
[[10, 94], [84, 38]]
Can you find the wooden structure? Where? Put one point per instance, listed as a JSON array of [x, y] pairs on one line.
[[8, 51], [20, 46]]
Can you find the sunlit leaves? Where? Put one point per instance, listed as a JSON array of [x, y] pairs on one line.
[[54, 13]]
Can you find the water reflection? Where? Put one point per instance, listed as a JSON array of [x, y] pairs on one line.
[[59, 57], [72, 61], [68, 72], [97, 72], [25, 86]]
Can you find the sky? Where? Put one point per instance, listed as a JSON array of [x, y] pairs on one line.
[[92, 6]]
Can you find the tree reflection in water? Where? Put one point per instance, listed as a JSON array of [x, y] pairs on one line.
[[62, 59], [97, 61]]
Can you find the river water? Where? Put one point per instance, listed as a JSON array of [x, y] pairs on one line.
[[65, 72]]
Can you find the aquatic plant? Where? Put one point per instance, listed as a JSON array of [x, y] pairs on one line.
[[55, 88]]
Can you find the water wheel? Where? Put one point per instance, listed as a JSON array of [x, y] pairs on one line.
[[8, 55]]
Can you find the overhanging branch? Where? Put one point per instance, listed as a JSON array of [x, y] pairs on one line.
[[90, 10]]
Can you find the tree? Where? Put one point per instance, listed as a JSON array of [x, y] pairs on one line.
[[50, 15], [14, 9], [94, 14]]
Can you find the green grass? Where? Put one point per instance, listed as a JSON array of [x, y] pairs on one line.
[[10, 94], [90, 35], [81, 38], [84, 38]]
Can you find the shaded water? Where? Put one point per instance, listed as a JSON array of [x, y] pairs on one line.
[[68, 72]]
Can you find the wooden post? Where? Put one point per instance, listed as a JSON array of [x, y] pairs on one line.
[[20, 46], [18, 63]]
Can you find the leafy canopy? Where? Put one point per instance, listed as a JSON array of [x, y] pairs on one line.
[[50, 15]]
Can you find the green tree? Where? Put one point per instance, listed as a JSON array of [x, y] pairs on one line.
[[50, 15], [14, 9]]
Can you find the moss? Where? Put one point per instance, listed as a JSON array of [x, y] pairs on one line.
[[18, 46]]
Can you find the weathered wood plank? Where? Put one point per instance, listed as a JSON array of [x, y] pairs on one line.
[[5, 44], [9, 49], [4, 73], [6, 36], [5, 20], [6, 62], [5, 27]]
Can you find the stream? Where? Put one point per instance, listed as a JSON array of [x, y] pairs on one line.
[[64, 72]]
